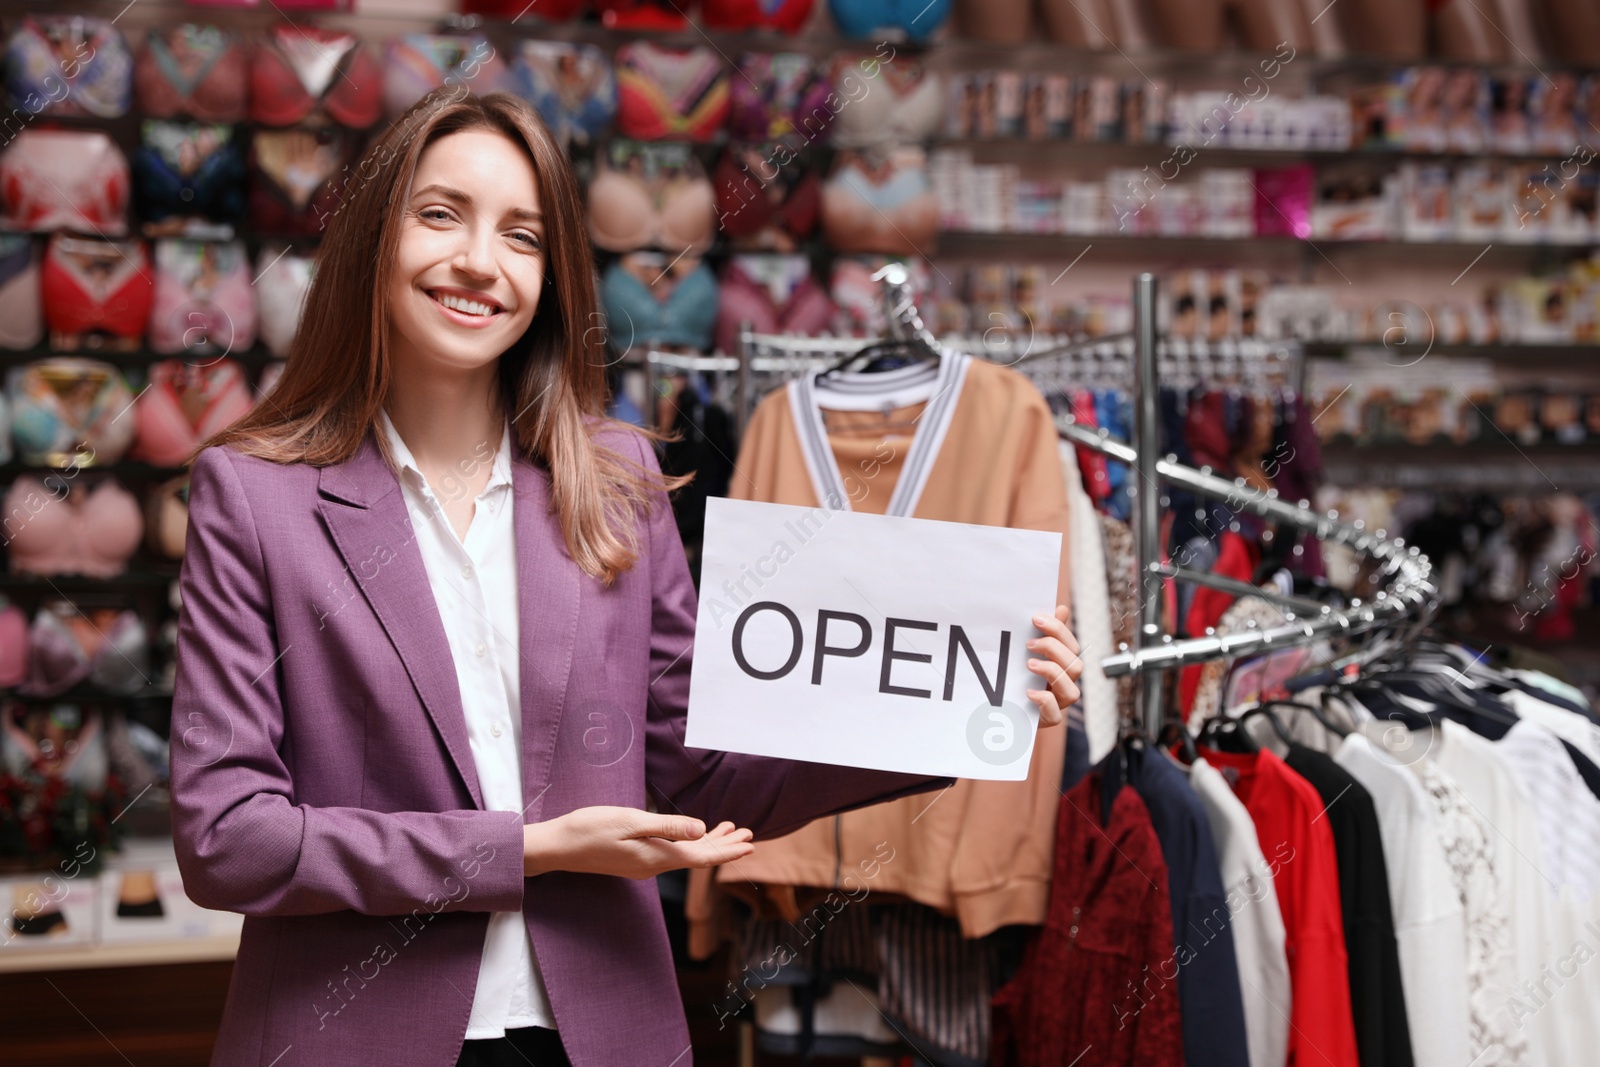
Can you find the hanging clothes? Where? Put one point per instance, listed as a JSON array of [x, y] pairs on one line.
[[1429, 924], [1098, 982], [1209, 996], [1298, 844], [1258, 933], [1377, 993], [1091, 612]]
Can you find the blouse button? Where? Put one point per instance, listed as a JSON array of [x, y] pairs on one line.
[[495, 730], [481, 649], [466, 572], [1074, 931]]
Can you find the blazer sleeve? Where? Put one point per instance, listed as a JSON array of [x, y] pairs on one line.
[[769, 796], [243, 843]]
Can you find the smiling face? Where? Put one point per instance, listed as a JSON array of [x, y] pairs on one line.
[[470, 264]]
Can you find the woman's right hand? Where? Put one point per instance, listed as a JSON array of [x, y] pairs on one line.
[[628, 843]]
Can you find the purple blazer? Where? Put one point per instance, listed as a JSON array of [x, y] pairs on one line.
[[322, 784]]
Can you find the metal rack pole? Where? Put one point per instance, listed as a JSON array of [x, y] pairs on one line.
[[1147, 535]]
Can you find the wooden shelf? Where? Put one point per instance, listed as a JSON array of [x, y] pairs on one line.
[[72, 958]]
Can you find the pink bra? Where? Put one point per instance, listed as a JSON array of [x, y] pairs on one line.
[[745, 297], [13, 645], [204, 301], [282, 278], [21, 318], [94, 531], [65, 180], [651, 196], [67, 648], [199, 71], [185, 404]]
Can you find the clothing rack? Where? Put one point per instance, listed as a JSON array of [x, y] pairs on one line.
[[1402, 575]]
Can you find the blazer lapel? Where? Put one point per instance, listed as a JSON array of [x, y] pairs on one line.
[[549, 593], [366, 513]]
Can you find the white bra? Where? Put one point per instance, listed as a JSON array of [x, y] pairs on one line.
[[885, 108], [938, 384]]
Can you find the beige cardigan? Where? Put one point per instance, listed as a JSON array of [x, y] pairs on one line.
[[981, 850]]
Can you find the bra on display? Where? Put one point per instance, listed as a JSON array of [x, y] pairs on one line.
[[5, 431], [294, 179], [660, 16], [776, 213], [886, 103], [108, 650], [69, 65], [888, 207], [13, 645], [547, 10], [193, 71], [670, 93], [166, 518], [299, 69], [798, 308], [204, 302], [185, 404], [415, 64], [95, 287], [778, 95], [65, 180], [649, 300], [651, 196], [186, 171], [571, 85], [21, 321], [786, 16], [66, 410], [92, 530], [62, 741], [282, 278], [869, 18]]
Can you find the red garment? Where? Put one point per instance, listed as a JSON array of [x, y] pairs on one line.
[[1091, 464], [1237, 557], [1298, 846], [1098, 984]]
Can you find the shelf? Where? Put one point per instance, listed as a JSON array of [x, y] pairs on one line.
[[77, 583], [1123, 153], [123, 469], [78, 957], [1510, 352], [956, 242], [250, 358], [1493, 467]]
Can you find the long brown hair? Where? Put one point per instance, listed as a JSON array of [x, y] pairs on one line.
[[552, 380]]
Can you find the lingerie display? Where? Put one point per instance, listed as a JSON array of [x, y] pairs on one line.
[[650, 300], [186, 176], [875, 19], [772, 295], [69, 65], [107, 649], [738, 16], [760, 206], [890, 103], [166, 518], [282, 278], [96, 293], [183, 405], [300, 71], [67, 410], [297, 179], [21, 317], [670, 93], [194, 72], [92, 529], [13, 644], [64, 180], [651, 196], [884, 204], [203, 302], [777, 94], [415, 64], [61, 741], [571, 85]]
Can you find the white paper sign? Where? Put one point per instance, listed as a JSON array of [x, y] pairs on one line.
[[868, 641]]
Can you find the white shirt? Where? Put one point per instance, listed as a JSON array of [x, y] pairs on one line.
[[1568, 814], [474, 584], [1259, 939], [1429, 925]]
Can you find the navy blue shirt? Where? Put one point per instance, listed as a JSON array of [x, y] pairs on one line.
[[1203, 962]]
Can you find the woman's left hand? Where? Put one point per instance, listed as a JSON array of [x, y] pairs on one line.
[[1055, 657]]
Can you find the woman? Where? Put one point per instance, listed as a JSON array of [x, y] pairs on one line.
[[434, 655]]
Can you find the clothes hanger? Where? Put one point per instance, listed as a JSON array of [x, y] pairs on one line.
[[1176, 733], [1225, 735]]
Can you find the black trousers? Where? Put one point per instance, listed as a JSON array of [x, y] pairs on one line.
[[524, 1046]]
